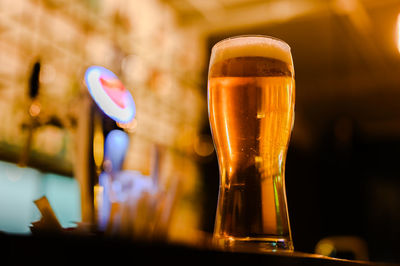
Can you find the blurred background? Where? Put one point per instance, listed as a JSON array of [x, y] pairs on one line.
[[342, 177]]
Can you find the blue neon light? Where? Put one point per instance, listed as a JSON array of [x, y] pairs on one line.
[[115, 148]]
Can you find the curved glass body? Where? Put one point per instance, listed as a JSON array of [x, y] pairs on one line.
[[251, 96]]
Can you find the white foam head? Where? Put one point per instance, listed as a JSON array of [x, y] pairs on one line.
[[262, 46]]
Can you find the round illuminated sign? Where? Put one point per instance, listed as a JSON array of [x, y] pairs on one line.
[[110, 94]]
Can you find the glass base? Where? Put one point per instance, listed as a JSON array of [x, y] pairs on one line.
[[257, 245]]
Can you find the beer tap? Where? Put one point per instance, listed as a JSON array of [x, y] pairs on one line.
[[36, 118], [34, 111]]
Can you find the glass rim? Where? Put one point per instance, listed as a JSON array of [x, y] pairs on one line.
[[261, 36]]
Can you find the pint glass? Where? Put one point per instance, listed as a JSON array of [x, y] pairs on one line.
[[251, 111]]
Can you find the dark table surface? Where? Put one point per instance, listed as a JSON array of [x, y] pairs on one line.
[[71, 249]]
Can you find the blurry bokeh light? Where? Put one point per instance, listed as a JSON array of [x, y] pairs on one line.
[[398, 33], [34, 109], [203, 145], [47, 74], [130, 126]]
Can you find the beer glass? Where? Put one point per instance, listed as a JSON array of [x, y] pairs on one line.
[[251, 112]]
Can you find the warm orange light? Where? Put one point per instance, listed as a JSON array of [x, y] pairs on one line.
[[34, 109], [98, 192], [325, 247], [98, 144], [130, 126], [203, 145], [398, 32]]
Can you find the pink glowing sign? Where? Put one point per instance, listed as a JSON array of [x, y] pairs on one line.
[[110, 94]]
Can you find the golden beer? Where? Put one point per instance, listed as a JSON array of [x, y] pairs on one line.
[[251, 112]]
